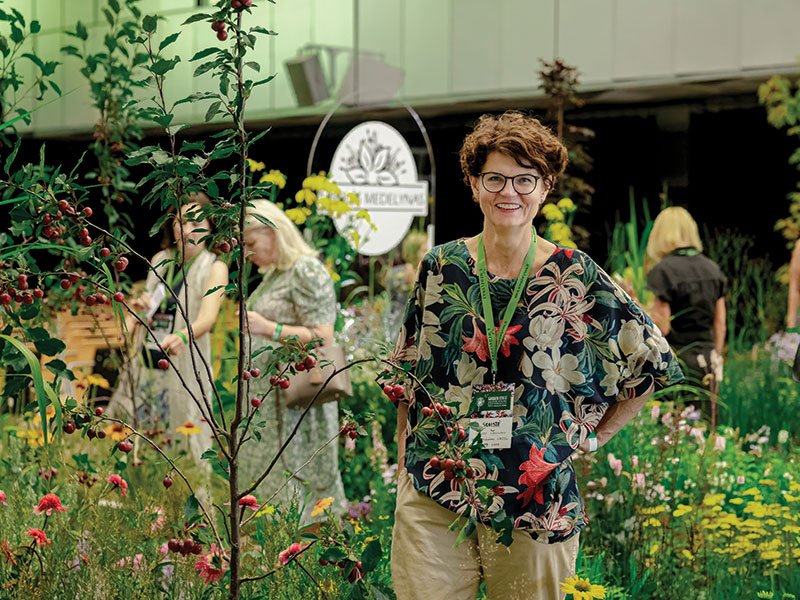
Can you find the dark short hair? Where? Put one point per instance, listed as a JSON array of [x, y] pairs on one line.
[[521, 137]]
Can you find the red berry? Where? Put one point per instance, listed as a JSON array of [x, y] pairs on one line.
[[435, 462], [462, 434], [310, 362], [224, 247], [87, 241], [323, 562], [163, 364], [119, 297], [65, 284], [300, 366], [101, 435], [167, 482], [38, 293], [352, 434], [388, 390], [255, 372], [46, 219], [449, 475], [174, 545], [398, 390], [255, 402], [448, 464], [427, 411], [469, 472], [217, 25], [91, 434], [222, 35], [498, 490], [5, 299], [49, 232], [121, 264], [284, 383], [443, 409], [245, 375], [98, 411], [125, 446], [69, 427], [236, 4], [460, 464], [84, 233], [105, 252], [274, 379], [90, 300], [101, 298], [87, 212], [63, 205]]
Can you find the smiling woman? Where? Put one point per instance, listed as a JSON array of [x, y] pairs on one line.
[[533, 347]]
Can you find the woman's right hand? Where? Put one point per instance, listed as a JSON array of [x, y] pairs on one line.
[[141, 303]]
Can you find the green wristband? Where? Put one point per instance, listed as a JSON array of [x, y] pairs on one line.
[[276, 335], [182, 335]]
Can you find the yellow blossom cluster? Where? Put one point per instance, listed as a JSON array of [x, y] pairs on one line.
[[559, 220]]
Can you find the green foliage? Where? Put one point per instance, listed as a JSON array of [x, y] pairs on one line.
[[628, 249]]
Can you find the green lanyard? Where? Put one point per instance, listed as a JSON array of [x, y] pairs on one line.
[[495, 339], [171, 277]]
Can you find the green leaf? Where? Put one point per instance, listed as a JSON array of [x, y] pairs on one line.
[[162, 66], [150, 23], [191, 509], [44, 391], [12, 156], [197, 17], [213, 110], [57, 367], [36, 27], [50, 347], [205, 52], [80, 31], [114, 5], [169, 40], [253, 65], [371, 556]]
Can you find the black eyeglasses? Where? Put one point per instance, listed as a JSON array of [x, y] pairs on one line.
[[496, 182]]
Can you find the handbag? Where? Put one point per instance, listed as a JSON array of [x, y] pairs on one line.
[[304, 385]]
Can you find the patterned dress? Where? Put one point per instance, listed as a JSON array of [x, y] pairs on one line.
[[160, 398], [302, 295], [575, 345]]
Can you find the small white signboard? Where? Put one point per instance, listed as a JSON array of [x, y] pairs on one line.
[[375, 162]]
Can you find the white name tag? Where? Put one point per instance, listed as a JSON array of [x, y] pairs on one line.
[[491, 410]]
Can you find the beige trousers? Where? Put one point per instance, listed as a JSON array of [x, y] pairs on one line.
[[427, 566]]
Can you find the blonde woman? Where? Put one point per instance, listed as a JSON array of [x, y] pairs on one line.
[[689, 289], [295, 298]]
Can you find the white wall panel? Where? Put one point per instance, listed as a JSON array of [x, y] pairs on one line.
[[52, 116], [427, 45], [586, 37], [294, 31], [476, 47], [527, 33], [85, 11], [643, 34], [706, 35], [769, 33], [382, 27], [48, 12]]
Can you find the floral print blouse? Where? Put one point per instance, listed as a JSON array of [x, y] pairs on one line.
[[576, 345]]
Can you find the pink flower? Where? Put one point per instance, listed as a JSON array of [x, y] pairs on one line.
[[39, 536], [3, 498], [719, 443], [615, 464], [740, 479], [635, 460], [212, 566], [638, 480], [292, 551], [249, 502], [164, 549], [48, 504], [160, 517], [6, 548], [118, 482], [655, 412]]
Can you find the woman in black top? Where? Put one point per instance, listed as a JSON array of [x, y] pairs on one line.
[[689, 289]]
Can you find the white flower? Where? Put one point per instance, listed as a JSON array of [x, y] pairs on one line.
[[611, 381], [783, 436], [559, 372], [468, 374], [546, 333], [631, 338]]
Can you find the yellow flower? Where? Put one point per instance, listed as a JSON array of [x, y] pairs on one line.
[[582, 589], [353, 199], [552, 213], [255, 166], [771, 555], [682, 509], [269, 509], [98, 380], [713, 499], [767, 482], [333, 207], [753, 491], [298, 215], [687, 555], [321, 506], [651, 522], [314, 182], [566, 205], [117, 432], [736, 501], [654, 510], [355, 236], [275, 178], [305, 195], [188, 428]]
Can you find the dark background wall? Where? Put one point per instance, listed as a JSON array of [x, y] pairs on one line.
[[728, 167]]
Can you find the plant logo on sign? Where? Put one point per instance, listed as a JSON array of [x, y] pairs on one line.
[[375, 162]]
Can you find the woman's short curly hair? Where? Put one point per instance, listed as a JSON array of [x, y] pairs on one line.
[[521, 137]]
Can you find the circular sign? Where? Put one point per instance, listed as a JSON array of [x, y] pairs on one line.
[[375, 162]]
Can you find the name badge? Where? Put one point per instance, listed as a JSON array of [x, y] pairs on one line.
[[161, 326], [492, 410]]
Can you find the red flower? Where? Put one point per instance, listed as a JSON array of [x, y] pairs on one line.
[[48, 504], [508, 339], [7, 553], [3, 498], [534, 472], [118, 482], [477, 344], [212, 566], [292, 551], [39, 536], [249, 502]]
